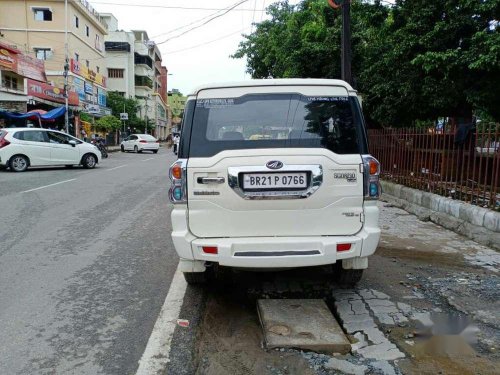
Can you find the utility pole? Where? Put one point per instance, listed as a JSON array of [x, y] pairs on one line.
[[346, 73], [66, 67], [346, 41], [146, 113]]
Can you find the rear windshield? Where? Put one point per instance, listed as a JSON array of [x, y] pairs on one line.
[[277, 121], [148, 137]]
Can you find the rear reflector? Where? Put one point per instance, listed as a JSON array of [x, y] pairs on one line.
[[343, 246], [210, 249]]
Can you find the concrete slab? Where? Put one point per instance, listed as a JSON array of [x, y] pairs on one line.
[[304, 324]]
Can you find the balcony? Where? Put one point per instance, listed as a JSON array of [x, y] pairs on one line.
[[143, 81], [117, 46], [144, 60]]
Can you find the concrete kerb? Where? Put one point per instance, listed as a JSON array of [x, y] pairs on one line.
[[478, 223]]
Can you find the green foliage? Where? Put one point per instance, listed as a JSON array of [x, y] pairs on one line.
[[109, 123], [120, 104], [415, 60], [85, 117]]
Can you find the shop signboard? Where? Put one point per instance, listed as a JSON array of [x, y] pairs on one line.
[[54, 94], [24, 65], [83, 71]]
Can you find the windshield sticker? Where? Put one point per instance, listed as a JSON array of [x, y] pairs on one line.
[[327, 98], [215, 103]]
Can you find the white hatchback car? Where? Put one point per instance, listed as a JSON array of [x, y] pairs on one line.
[[140, 143], [21, 148], [274, 174]]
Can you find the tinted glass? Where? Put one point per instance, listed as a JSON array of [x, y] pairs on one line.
[[58, 138], [277, 121], [148, 137], [31, 136]]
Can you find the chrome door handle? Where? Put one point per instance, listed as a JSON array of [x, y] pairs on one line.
[[211, 180]]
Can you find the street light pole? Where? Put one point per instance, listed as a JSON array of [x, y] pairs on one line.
[[66, 67]]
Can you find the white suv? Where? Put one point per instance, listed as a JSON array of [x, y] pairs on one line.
[[274, 174], [21, 148]]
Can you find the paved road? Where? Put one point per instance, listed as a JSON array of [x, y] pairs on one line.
[[85, 265]]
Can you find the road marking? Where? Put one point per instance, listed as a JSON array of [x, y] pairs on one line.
[[148, 159], [120, 166], [46, 186], [157, 352]]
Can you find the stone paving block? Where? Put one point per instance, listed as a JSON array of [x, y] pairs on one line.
[[405, 308], [356, 318], [384, 366], [379, 302], [359, 326], [375, 335], [304, 324], [345, 296], [385, 319], [399, 318], [366, 294], [358, 307], [362, 341], [345, 367], [344, 309], [384, 309], [380, 294], [423, 317], [385, 351]]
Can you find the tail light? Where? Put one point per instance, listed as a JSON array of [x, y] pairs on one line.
[[371, 177], [3, 141], [143, 141], [177, 174], [157, 141]]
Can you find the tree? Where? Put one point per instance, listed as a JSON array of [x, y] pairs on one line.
[[109, 123], [415, 60], [119, 104]]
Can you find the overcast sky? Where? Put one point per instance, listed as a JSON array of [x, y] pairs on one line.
[[207, 49]]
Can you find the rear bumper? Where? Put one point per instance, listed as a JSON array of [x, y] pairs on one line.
[[154, 146], [275, 252]]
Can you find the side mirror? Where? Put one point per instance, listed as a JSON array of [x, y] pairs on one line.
[[72, 143]]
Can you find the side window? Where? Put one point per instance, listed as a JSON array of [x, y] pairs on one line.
[[57, 138], [19, 135], [34, 136], [133, 137]]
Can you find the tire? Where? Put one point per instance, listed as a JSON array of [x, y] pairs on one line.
[[346, 278], [136, 150], [122, 149], [89, 161], [104, 153], [155, 151], [19, 163], [196, 278]]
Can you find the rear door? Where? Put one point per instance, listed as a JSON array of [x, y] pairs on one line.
[[35, 146], [275, 161]]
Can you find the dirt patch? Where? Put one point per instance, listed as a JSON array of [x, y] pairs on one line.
[[231, 343]]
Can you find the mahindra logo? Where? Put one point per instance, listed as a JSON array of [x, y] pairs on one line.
[[274, 164]]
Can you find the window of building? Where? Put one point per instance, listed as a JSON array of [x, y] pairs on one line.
[[77, 22], [77, 57], [87, 63], [42, 14], [115, 73], [97, 69], [87, 30], [43, 53], [9, 82]]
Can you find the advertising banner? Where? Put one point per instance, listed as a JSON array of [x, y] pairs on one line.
[[88, 88], [54, 94], [83, 71], [24, 65], [101, 97], [79, 85]]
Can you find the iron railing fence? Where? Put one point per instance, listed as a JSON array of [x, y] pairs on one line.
[[462, 166]]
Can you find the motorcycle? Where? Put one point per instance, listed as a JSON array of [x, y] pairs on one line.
[[99, 143]]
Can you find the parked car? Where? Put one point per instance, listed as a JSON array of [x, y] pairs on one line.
[[21, 148], [140, 143], [274, 174]]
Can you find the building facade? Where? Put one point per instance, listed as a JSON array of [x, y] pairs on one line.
[[37, 28], [134, 67]]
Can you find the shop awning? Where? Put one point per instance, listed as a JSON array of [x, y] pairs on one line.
[[36, 115]]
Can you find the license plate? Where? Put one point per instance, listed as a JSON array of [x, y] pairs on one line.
[[274, 180]]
